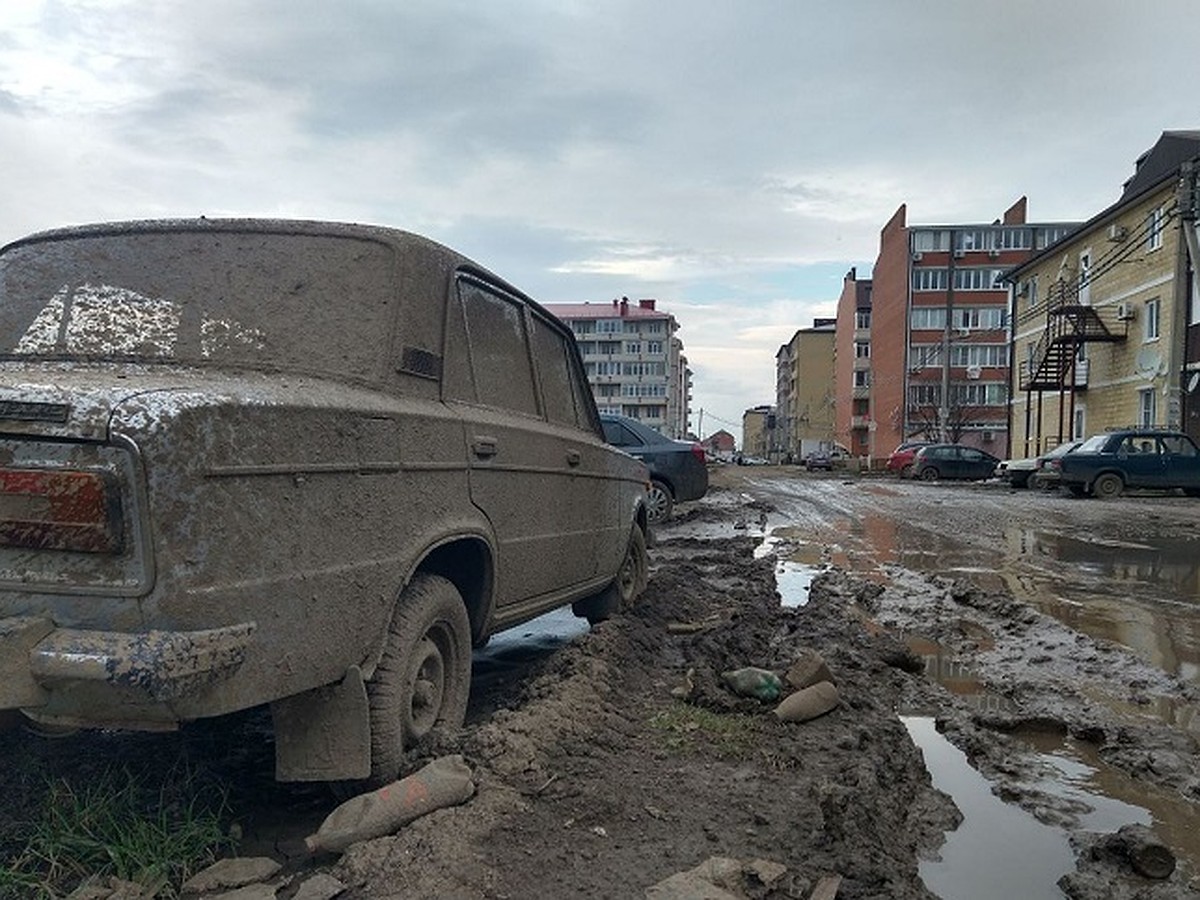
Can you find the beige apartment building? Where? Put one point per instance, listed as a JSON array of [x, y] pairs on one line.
[[1106, 327], [804, 408], [758, 431]]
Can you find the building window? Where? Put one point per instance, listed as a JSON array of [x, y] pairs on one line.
[[1154, 229], [1147, 408], [862, 378], [633, 347], [609, 326], [925, 395], [978, 279], [862, 349], [1047, 236], [862, 318], [1150, 327], [925, 241], [928, 318], [929, 279], [1077, 432], [654, 347]]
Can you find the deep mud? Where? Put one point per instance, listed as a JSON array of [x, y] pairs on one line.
[[596, 780]]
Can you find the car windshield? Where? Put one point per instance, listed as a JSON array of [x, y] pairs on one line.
[[297, 302], [1094, 443], [1061, 450]]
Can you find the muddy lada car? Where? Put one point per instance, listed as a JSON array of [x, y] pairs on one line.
[[288, 463]]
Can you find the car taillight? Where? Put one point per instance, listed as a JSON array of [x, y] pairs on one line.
[[698, 452], [53, 509]]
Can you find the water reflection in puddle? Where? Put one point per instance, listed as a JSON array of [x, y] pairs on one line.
[[797, 563], [999, 851]]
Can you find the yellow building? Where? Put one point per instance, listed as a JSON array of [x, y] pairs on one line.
[[1100, 319], [758, 431], [804, 391]]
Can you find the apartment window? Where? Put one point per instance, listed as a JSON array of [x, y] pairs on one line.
[[979, 355], [926, 241], [654, 347], [1150, 327], [928, 318], [862, 378], [1014, 239], [978, 279], [1147, 408], [608, 368], [979, 394], [985, 317], [929, 279], [862, 318], [609, 326], [633, 347], [1032, 288], [1154, 228], [862, 349], [1049, 235], [1077, 431], [925, 395], [655, 327], [583, 327]]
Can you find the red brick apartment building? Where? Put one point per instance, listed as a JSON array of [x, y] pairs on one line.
[[922, 348]]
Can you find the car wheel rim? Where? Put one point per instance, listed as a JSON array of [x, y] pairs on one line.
[[656, 502], [426, 688]]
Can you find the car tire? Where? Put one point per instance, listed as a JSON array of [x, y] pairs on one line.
[[929, 473], [660, 502], [1107, 486], [423, 679], [625, 589]]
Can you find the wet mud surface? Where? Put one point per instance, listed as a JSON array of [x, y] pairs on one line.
[[983, 704]]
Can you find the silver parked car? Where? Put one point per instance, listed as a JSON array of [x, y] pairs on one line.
[[289, 463]]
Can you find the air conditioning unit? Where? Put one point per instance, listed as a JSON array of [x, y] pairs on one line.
[[918, 256], [1117, 232], [973, 372], [989, 436], [994, 253], [960, 253], [1126, 311]]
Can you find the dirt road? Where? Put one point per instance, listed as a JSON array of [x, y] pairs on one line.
[[984, 741]]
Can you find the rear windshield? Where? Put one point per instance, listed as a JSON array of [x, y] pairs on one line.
[[298, 302]]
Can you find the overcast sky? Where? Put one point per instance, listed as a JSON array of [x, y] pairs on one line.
[[732, 159]]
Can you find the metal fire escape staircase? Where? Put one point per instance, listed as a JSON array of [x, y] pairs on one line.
[[1069, 324]]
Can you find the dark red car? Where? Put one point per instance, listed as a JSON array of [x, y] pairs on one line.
[[902, 457]]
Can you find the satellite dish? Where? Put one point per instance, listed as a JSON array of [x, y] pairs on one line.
[[1193, 382], [1148, 362]]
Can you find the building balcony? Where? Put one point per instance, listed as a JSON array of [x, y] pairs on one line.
[[860, 393], [861, 363], [860, 421]]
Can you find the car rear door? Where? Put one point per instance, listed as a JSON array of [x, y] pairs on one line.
[[541, 480], [1141, 462], [1182, 460]]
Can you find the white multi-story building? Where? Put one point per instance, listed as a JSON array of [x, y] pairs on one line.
[[633, 360]]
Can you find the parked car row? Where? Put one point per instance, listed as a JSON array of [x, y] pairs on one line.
[[1101, 466]]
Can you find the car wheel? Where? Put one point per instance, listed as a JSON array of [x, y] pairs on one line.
[[659, 501], [625, 588], [929, 473], [421, 684], [1107, 486]]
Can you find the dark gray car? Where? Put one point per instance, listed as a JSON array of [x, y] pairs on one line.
[[678, 469]]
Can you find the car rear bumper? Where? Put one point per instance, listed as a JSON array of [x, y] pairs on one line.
[[82, 677]]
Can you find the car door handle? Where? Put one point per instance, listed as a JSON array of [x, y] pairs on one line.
[[573, 457], [484, 446]]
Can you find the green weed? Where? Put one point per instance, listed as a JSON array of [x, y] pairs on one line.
[[688, 727], [115, 825]]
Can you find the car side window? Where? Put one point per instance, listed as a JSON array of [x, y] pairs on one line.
[[550, 352], [620, 436], [499, 351], [971, 455], [1177, 445]]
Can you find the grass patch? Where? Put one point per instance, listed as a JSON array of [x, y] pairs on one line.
[[688, 727], [117, 824]]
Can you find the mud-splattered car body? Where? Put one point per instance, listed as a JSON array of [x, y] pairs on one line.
[[227, 447]]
